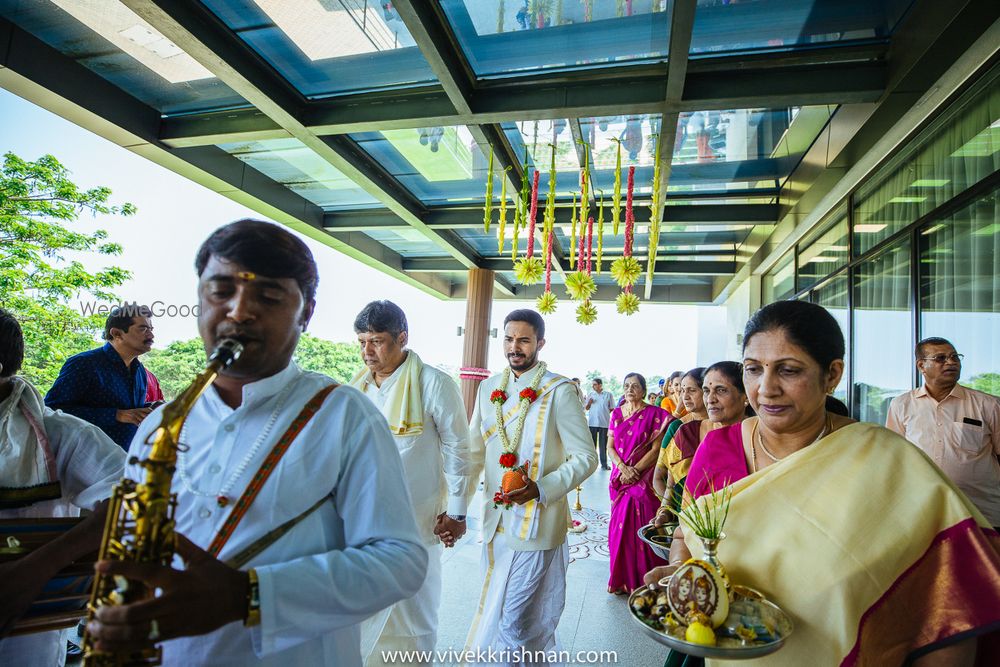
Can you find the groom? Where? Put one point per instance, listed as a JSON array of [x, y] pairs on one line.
[[524, 531]]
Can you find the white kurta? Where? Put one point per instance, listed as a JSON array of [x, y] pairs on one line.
[[356, 554], [439, 475], [88, 465]]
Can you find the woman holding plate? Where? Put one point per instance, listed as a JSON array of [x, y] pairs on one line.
[[874, 554]]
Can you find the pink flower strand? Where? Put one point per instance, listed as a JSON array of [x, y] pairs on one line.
[[590, 241], [532, 214], [629, 213], [579, 254]]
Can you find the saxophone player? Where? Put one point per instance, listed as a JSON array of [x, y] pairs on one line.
[[292, 517]]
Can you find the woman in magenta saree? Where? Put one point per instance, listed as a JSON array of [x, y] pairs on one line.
[[634, 436]]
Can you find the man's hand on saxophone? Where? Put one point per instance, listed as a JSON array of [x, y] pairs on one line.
[[205, 595]]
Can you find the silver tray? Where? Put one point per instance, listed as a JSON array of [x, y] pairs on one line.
[[744, 599], [649, 530]]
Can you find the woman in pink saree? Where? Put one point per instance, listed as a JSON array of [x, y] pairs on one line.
[[634, 436]]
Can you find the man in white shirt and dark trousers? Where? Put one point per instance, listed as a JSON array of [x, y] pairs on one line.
[[355, 549], [599, 404], [427, 419]]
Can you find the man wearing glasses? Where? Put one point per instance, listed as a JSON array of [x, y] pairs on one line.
[[958, 427]]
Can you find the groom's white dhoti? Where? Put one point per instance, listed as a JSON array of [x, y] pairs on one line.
[[525, 555]]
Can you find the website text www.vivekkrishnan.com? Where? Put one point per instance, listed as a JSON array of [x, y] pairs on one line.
[[499, 656]]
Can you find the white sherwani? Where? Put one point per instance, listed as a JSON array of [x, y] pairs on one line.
[[524, 570], [358, 553], [439, 475]]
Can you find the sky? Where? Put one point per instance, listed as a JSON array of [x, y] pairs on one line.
[[175, 215]]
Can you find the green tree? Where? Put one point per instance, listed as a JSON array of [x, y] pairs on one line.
[[986, 382], [176, 365], [611, 383], [341, 361], [38, 205]]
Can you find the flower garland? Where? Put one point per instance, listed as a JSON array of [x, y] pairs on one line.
[[528, 269], [502, 222], [546, 303], [508, 459], [616, 195], [626, 269], [586, 313], [600, 234], [656, 210], [488, 206]]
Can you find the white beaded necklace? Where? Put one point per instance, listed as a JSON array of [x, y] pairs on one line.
[[222, 497]]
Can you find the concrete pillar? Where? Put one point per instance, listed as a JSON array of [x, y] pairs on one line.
[[475, 349]]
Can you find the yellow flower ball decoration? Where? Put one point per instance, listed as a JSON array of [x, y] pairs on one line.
[[528, 270], [546, 303], [627, 303], [586, 313], [626, 270], [580, 286]]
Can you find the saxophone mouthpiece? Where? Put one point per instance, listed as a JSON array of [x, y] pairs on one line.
[[227, 351]]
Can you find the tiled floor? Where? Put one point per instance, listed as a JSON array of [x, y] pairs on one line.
[[592, 619]]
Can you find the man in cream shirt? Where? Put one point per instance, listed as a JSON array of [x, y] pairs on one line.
[[427, 418], [524, 532]]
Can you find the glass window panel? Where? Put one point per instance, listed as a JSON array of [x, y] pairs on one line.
[[507, 37], [439, 165], [832, 295], [328, 47], [293, 164], [883, 356], [722, 28], [955, 152], [109, 39], [407, 242], [779, 282], [823, 253], [960, 288]]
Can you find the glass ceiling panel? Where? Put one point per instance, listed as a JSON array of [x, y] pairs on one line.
[[407, 242], [439, 165], [724, 28], [508, 38], [328, 47], [713, 150], [293, 164], [535, 138], [109, 39]]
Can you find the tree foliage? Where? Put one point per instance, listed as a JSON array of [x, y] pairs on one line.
[[38, 206], [610, 382], [176, 365], [986, 382]]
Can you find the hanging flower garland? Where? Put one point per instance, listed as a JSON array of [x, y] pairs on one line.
[[502, 222], [572, 234], [546, 303], [528, 269], [579, 285], [488, 207], [616, 194], [626, 269], [586, 313], [600, 233], [656, 215], [627, 302]]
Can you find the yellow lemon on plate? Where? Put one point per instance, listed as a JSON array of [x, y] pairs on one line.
[[699, 633]]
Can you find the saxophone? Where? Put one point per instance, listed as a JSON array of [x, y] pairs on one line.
[[140, 522]]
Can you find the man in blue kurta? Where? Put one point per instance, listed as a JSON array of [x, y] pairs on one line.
[[106, 386]]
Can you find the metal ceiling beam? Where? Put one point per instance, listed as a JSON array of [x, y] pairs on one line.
[[824, 75], [663, 267], [681, 29], [38, 73], [690, 294], [203, 37], [468, 218]]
